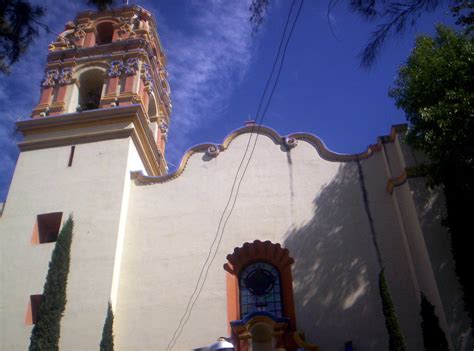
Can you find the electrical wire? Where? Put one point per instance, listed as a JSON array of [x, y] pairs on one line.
[[196, 288], [253, 149], [47, 29], [331, 5], [240, 182], [219, 234]]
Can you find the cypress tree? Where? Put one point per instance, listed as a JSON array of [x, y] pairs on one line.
[[107, 342], [46, 332], [396, 339], [433, 336]]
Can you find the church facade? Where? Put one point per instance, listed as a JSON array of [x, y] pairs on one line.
[[284, 257]]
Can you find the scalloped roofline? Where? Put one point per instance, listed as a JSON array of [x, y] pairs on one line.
[[287, 141]]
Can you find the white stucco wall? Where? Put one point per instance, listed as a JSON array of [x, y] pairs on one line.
[[142, 246], [309, 205], [94, 191]]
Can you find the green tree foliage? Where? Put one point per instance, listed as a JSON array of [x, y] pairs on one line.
[[435, 88], [394, 16], [17, 29], [433, 336], [45, 333], [395, 336], [107, 342], [463, 11], [20, 24]]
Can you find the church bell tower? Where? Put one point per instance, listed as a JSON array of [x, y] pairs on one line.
[[103, 112], [103, 62]]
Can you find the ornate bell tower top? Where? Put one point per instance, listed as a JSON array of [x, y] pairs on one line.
[[108, 60]]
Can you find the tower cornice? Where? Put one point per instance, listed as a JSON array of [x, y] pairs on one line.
[[92, 126]]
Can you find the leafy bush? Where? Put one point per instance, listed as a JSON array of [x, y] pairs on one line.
[[435, 88], [107, 342], [396, 339]]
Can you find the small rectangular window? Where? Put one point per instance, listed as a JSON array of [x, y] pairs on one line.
[[32, 313], [71, 155], [47, 227]]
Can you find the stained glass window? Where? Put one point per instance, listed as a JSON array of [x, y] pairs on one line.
[[260, 290]]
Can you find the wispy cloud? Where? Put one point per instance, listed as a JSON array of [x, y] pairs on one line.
[[19, 91], [206, 62], [208, 55]]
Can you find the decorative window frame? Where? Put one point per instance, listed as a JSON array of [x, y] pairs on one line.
[[282, 330], [259, 251]]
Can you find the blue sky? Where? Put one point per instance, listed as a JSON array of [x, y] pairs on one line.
[[218, 71]]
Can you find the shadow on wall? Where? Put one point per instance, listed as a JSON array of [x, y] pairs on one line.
[[335, 274], [430, 205]]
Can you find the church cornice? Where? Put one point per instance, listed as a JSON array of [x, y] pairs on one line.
[[287, 142]]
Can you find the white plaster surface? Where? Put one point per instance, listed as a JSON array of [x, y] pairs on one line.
[[92, 190], [143, 246], [309, 205]]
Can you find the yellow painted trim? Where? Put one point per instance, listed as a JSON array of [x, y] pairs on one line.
[[399, 180], [396, 181]]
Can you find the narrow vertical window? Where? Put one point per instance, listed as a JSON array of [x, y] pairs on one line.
[[71, 155], [32, 313]]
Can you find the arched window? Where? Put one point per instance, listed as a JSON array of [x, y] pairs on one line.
[[259, 280], [260, 305], [260, 290], [91, 84], [105, 32]]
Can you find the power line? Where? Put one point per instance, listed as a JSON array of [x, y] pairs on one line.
[[331, 5], [219, 234], [235, 179], [47, 29], [251, 153], [262, 98], [196, 288]]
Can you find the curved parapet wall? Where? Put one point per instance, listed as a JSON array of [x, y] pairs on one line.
[[287, 142]]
